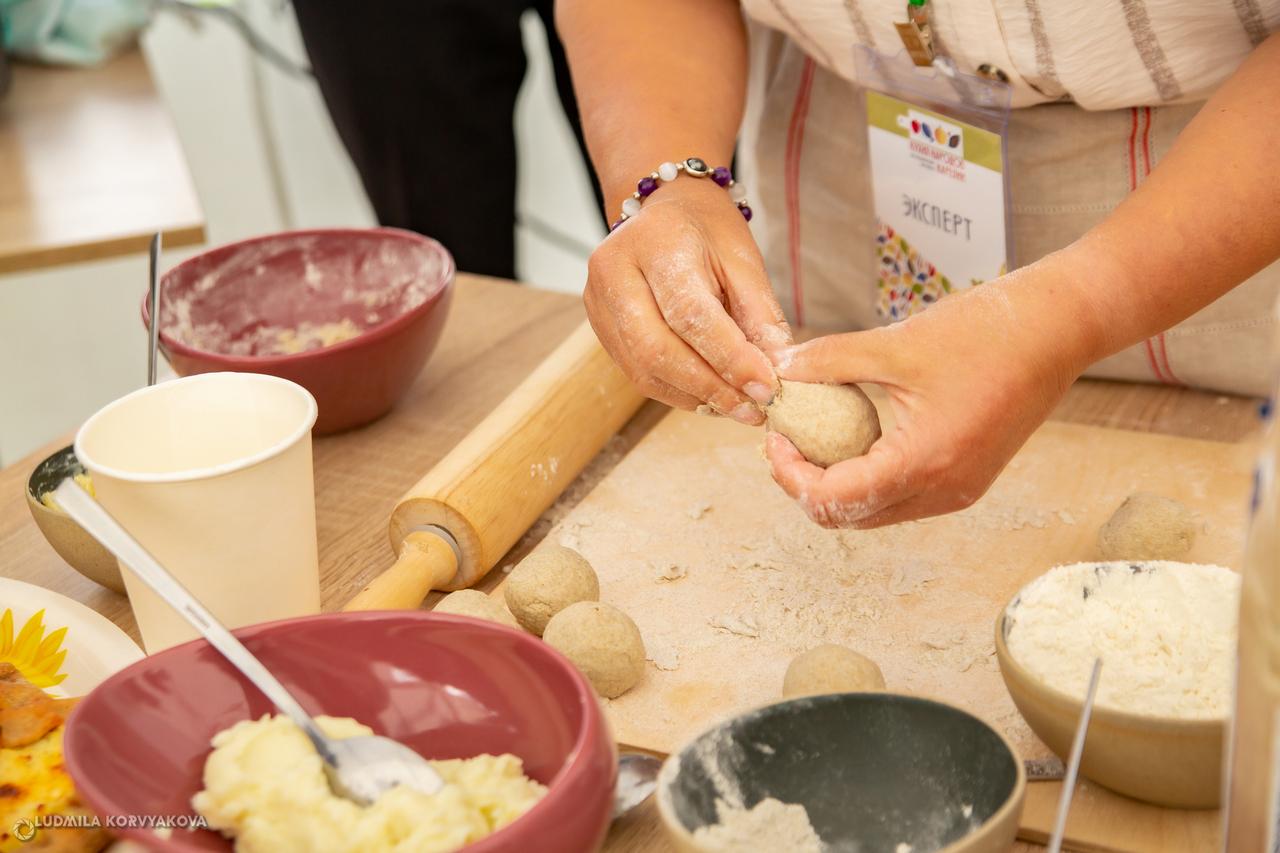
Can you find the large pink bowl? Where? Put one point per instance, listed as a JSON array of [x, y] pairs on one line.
[[221, 308], [448, 686]]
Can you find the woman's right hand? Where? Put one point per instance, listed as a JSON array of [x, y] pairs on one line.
[[679, 297]]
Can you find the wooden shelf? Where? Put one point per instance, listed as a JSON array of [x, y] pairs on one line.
[[90, 167]]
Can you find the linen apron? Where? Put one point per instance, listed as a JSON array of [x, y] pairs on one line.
[[805, 151]]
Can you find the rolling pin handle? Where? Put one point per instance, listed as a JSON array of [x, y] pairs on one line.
[[428, 560], [440, 532]]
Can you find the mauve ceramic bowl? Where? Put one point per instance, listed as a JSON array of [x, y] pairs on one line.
[[448, 686], [226, 310]]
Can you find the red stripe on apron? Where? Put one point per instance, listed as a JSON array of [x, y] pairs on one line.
[[1133, 151], [1157, 352], [1164, 360], [1146, 143], [795, 142]]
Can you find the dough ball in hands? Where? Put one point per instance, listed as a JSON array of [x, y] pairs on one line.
[[602, 642], [473, 602], [546, 582], [826, 423], [1147, 527], [831, 669]]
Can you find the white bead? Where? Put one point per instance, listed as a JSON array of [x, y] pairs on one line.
[[630, 206], [668, 171], [738, 192]]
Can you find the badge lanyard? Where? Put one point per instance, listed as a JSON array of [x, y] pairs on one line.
[[937, 144]]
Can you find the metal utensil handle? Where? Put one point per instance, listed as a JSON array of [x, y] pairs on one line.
[[90, 515], [1073, 765], [153, 307]]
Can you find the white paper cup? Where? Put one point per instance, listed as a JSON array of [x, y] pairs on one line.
[[212, 474]]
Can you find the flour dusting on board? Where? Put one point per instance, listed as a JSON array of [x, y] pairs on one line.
[[728, 580]]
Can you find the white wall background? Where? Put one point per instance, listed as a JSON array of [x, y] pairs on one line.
[[264, 157]]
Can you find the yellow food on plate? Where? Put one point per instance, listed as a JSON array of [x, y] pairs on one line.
[[265, 787], [34, 785]]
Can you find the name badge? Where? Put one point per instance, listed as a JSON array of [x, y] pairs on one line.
[[940, 192]]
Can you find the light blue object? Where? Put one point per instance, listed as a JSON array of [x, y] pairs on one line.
[[71, 32]]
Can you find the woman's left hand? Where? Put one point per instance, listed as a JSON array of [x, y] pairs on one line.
[[968, 381]]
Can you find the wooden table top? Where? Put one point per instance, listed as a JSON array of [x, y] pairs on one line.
[[90, 166], [497, 333]]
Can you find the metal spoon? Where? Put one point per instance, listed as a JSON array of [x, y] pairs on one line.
[[153, 308], [358, 768], [1073, 764], [637, 779]]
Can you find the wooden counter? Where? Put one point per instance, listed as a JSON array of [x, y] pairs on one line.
[[496, 334], [90, 166]]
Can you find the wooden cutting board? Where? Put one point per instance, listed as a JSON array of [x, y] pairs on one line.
[[728, 581]]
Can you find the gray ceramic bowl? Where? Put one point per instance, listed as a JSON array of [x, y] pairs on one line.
[[69, 539], [873, 771]]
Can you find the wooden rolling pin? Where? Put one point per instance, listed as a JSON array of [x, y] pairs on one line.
[[458, 521]]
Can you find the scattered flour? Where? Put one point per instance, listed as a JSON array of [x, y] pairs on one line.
[[1166, 633], [744, 625], [666, 571], [662, 653], [905, 579], [770, 825]]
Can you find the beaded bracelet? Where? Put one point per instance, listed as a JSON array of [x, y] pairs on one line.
[[670, 171]]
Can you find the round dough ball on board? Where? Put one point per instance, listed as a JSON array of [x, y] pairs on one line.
[[546, 582], [473, 602], [602, 642], [831, 669], [826, 423], [1147, 527]]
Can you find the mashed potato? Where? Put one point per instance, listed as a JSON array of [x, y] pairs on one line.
[[265, 786]]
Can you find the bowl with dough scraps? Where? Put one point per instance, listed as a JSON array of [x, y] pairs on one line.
[[450, 687], [1166, 632], [350, 314], [873, 772]]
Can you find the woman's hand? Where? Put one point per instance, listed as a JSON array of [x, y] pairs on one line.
[[968, 381], [679, 297]]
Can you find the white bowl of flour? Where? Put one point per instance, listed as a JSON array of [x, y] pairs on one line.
[[1167, 635]]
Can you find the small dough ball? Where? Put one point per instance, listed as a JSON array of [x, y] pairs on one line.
[[826, 423], [1147, 527], [602, 642], [473, 602], [546, 582], [831, 669]]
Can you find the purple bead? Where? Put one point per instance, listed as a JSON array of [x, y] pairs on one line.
[[721, 176], [646, 186], [746, 212], [614, 226]]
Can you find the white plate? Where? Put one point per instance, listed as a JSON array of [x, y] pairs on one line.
[[95, 648]]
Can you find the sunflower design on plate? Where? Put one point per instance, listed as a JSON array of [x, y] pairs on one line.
[[34, 782], [38, 657]]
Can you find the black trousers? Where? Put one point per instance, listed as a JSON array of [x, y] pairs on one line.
[[423, 93]]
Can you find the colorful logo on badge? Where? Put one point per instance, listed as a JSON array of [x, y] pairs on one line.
[[937, 133]]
